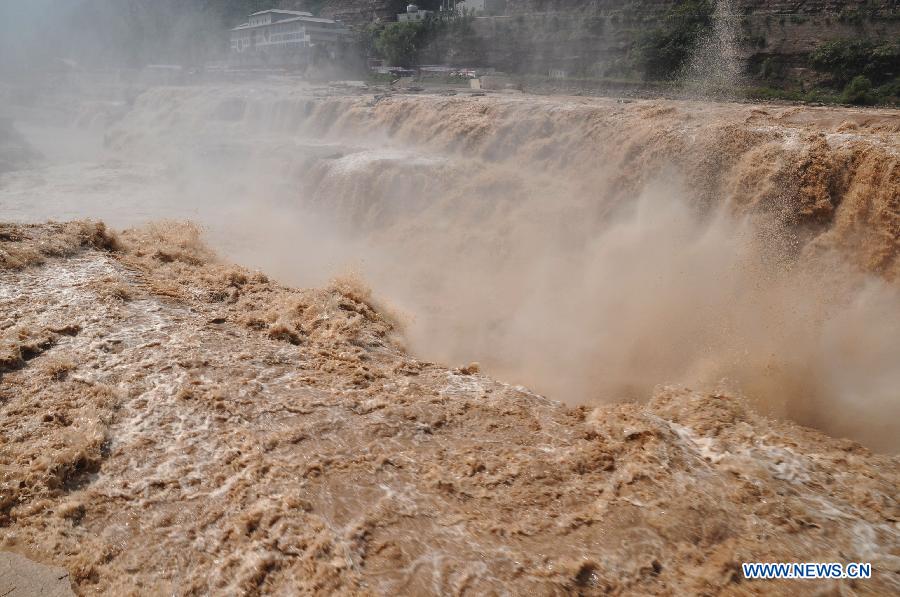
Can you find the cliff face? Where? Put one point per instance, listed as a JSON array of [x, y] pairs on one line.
[[360, 12], [599, 37]]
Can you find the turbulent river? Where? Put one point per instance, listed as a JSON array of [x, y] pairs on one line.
[[655, 293], [590, 249]]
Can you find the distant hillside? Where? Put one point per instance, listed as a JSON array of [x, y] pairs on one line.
[[781, 44], [784, 45], [560, 33]]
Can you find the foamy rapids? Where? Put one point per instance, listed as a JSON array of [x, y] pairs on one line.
[[589, 249]]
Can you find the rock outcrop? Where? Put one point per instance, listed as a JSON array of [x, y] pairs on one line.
[[600, 37]]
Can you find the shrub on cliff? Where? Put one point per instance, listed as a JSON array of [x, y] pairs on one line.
[[845, 59], [858, 91], [664, 50], [889, 93]]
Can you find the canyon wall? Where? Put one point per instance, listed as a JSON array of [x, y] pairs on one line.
[[601, 37], [360, 12]]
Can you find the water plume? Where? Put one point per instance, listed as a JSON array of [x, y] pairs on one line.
[[715, 68], [657, 294]]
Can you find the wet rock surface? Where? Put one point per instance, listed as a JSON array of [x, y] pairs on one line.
[[21, 577]]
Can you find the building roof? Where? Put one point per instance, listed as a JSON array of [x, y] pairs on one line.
[[283, 12], [305, 19]]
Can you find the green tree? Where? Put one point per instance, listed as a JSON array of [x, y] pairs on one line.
[[846, 59], [399, 43], [665, 49], [858, 91]]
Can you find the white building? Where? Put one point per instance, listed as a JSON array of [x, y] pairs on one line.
[[414, 15], [474, 7], [287, 38]]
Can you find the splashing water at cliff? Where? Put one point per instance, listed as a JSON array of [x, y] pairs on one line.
[[715, 66]]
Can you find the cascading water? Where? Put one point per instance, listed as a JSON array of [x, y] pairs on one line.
[[591, 251], [174, 424]]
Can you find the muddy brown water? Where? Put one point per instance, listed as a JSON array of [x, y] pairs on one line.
[[175, 424]]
